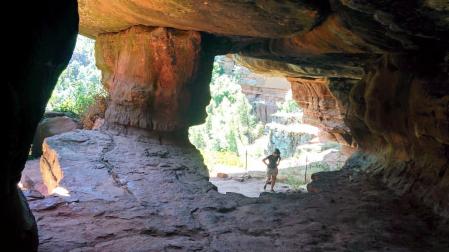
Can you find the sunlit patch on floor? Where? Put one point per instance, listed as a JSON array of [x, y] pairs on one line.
[[61, 191]]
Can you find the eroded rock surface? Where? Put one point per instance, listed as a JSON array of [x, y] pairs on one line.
[[157, 78], [133, 194], [266, 18], [400, 113], [50, 127], [321, 108]]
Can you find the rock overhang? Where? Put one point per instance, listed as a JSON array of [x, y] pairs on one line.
[[328, 50], [261, 18]]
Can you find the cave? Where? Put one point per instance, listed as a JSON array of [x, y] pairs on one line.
[[372, 75]]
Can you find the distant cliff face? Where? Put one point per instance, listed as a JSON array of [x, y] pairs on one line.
[[263, 92]]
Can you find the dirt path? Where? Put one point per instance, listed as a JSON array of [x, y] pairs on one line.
[[158, 199]]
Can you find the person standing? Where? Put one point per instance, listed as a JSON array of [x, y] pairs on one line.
[[272, 168]]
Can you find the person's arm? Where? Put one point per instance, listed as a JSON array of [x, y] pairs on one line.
[[279, 160], [264, 160]]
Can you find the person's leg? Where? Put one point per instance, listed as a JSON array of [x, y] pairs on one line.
[[268, 179], [273, 179]]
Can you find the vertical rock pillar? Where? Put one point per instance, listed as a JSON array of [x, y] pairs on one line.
[[157, 78]]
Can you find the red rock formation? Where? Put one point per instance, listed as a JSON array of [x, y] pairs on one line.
[[400, 113], [157, 78], [262, 18], [321, 108], [332, 36]]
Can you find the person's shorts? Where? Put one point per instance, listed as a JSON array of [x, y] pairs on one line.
[[272, 172]]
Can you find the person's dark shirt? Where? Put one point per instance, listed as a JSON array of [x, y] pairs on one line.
[[272, 161]]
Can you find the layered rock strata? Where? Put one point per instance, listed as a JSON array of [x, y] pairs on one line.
[[400, 113], [264, 18], [321, 108]]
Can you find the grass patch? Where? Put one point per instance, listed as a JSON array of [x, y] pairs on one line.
[[213, 158], [294, 176]]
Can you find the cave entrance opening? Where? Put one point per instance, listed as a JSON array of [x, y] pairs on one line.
[[250, 115]]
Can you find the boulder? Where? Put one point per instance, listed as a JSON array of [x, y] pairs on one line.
[[222, 175]]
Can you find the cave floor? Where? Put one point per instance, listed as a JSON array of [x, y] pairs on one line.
[[133, 194]]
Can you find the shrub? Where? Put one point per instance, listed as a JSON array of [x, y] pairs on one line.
[[230, 123], [226, 158]]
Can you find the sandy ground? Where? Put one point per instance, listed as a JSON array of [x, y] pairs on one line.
[[251, 187]]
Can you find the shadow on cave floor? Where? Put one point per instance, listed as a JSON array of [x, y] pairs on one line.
[[133, 194]]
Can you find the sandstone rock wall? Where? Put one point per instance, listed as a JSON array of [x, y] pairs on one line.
[[400, 113], [322, 108], [264, 94], [157, 78], [133, 193], [245, 18]]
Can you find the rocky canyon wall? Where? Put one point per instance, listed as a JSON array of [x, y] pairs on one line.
[[263, 92], [322, 108], [397, 113]]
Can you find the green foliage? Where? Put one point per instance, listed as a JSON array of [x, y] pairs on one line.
[[230, 123], [330, 145], [319, 167], [79, 83], [294, 182], [289, 105], [213, 158], [294, 176]]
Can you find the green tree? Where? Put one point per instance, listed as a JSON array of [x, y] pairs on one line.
[[79, 83], [230, 122]]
